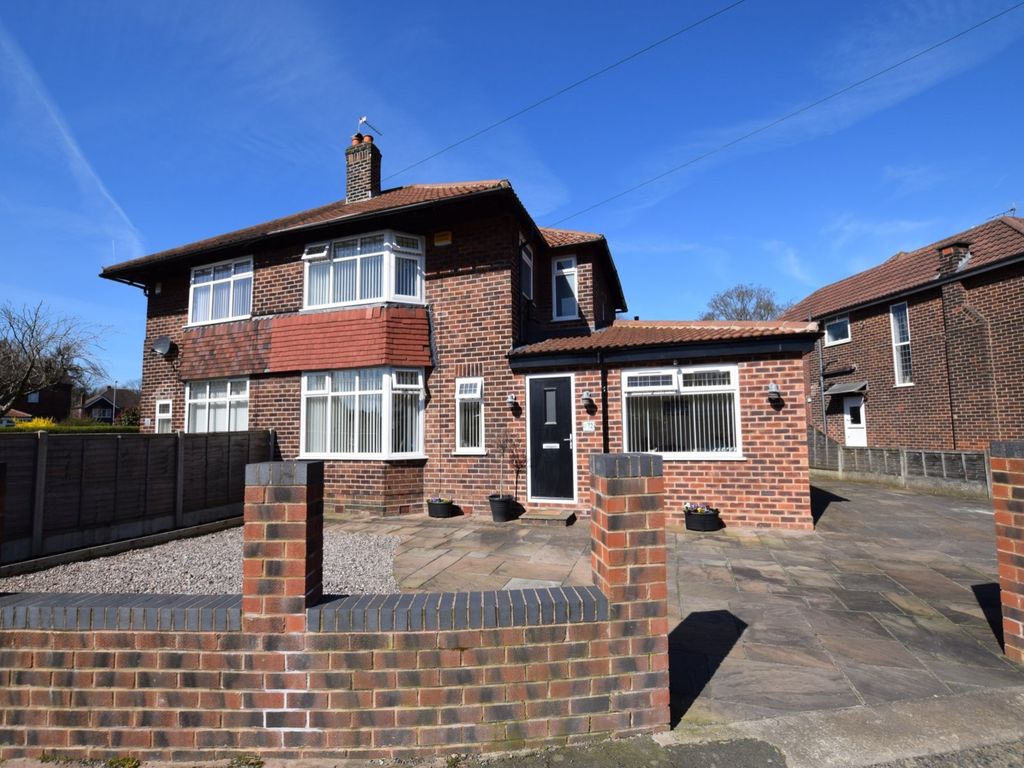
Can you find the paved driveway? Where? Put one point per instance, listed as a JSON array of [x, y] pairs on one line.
[[893, 597]]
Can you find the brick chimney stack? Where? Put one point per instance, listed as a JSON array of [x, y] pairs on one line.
[[950, 256], [362, 169]]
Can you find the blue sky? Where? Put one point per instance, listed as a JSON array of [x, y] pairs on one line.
[[128, 127]]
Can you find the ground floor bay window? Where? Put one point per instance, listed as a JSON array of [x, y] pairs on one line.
[[365, 413], [683, 413]]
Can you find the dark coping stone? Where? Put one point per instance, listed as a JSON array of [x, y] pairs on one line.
[[547, 607], [416, 612], [588, 602], [574, 604], [309, 473], [461, 615], [625, 465], [532, 607], [1006, 449], [372, 619], [386, 611], [561, 604], [490, 610], [504, 609], [518, 607], [402, 612], [476, 607], [431, 608], [445, 611]]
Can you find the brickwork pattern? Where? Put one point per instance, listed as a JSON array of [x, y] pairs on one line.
[[1007, 461], [200, 695]]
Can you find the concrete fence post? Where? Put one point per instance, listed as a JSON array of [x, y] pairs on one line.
[[1007, 460], [282, 565], [628, 558]]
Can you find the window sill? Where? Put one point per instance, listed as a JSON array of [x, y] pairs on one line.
[[361, 457], [574, 318], [703, 457], [365, 303], [903, 386], [217, 322], [837, 343], [469, 452]]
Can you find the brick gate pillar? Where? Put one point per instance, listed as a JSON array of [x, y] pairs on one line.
[[1007, 466], [628, 559], [282, 565]]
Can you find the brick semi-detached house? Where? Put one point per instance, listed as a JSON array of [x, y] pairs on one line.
[[924, 350], [410, 336]]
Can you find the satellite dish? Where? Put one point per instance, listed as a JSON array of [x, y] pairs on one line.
[[162, 345]]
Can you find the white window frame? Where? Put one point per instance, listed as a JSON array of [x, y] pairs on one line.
[[897, 344], [158, 417], [525, 257], [477, 397], [388, 386], [189, 401], [250, 275], [324, 251], [676, 387], [833, 320], [555, 272]]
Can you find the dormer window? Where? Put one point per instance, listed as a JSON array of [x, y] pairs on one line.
[[377, 267]]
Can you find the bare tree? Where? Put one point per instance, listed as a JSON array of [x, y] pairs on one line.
[[40, 349], [745, 302]]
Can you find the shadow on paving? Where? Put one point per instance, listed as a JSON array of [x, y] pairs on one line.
[[696, 648], [989, 600], [820, 500]]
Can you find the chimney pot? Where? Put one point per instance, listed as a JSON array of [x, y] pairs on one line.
[[367, 139], [357, 139]]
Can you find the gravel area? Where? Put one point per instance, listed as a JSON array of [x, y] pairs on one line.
[[211, 565]]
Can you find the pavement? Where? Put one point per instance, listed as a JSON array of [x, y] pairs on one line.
[[874, 638]]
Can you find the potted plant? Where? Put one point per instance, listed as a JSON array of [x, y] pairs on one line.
[[503, 504], [438, 506], [701, 517]]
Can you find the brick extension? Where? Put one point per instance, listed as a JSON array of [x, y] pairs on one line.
[[1007, 459], [187, 681]]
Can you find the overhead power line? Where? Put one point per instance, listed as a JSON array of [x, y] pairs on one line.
[[789, 116], [570, 87]]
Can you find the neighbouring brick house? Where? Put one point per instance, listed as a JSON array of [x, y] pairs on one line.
[[407, 335], [921, 350]]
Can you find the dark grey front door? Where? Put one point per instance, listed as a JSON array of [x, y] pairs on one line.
[[552, 456]]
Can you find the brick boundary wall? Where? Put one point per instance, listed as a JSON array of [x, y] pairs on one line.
[[282, 674], [1007, 460]]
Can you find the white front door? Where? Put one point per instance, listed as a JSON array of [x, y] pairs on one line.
[[853, 421]]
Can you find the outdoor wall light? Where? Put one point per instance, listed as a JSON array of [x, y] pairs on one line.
[[510, 401], [587, 399], [774, 395]]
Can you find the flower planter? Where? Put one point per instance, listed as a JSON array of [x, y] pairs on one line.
[[441, 508], [502, 508], [703, 521]]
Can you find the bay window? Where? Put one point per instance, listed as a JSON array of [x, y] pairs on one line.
[[683, 413], [217, 405], [381, 266], [220, 292], [469, 415], [363, 413]]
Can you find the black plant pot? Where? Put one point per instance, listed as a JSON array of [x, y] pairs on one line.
[[441, 508], [502, 508], [696, 521]]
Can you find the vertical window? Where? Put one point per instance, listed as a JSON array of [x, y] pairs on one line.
[[837, 330], [563, 289], [376, 267], [371, 412], [221, 292], [469, 415], [525, 268], [218, 405], [164, 409], [900, 321], [685, 413]]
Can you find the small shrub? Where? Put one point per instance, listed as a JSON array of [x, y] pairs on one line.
[[36, 423], [245, 761], [125, 761]]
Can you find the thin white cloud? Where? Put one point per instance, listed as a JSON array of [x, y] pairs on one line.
[[847, 229], [35, 119], [909, 179], [788, 260]]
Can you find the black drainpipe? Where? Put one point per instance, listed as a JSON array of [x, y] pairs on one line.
[[604, 402]]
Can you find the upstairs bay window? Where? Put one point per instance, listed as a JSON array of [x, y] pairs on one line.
[[220, 292], [218, 405], [366, 413], [564, 303], [683, 413], [382, 266]]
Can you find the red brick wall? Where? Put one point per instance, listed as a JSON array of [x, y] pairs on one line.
[[280, 691], [967, 344], [1007, 463]]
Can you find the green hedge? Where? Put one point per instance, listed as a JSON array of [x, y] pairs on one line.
[[68, 428]]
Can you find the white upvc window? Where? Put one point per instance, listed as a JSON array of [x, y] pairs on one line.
[[164, 410], [380, 266], [217, 405], [837, 330], [525, 268], [469, 416], [220, 292], [683, 413], [564, 303], [364, 413], [899, 319]]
